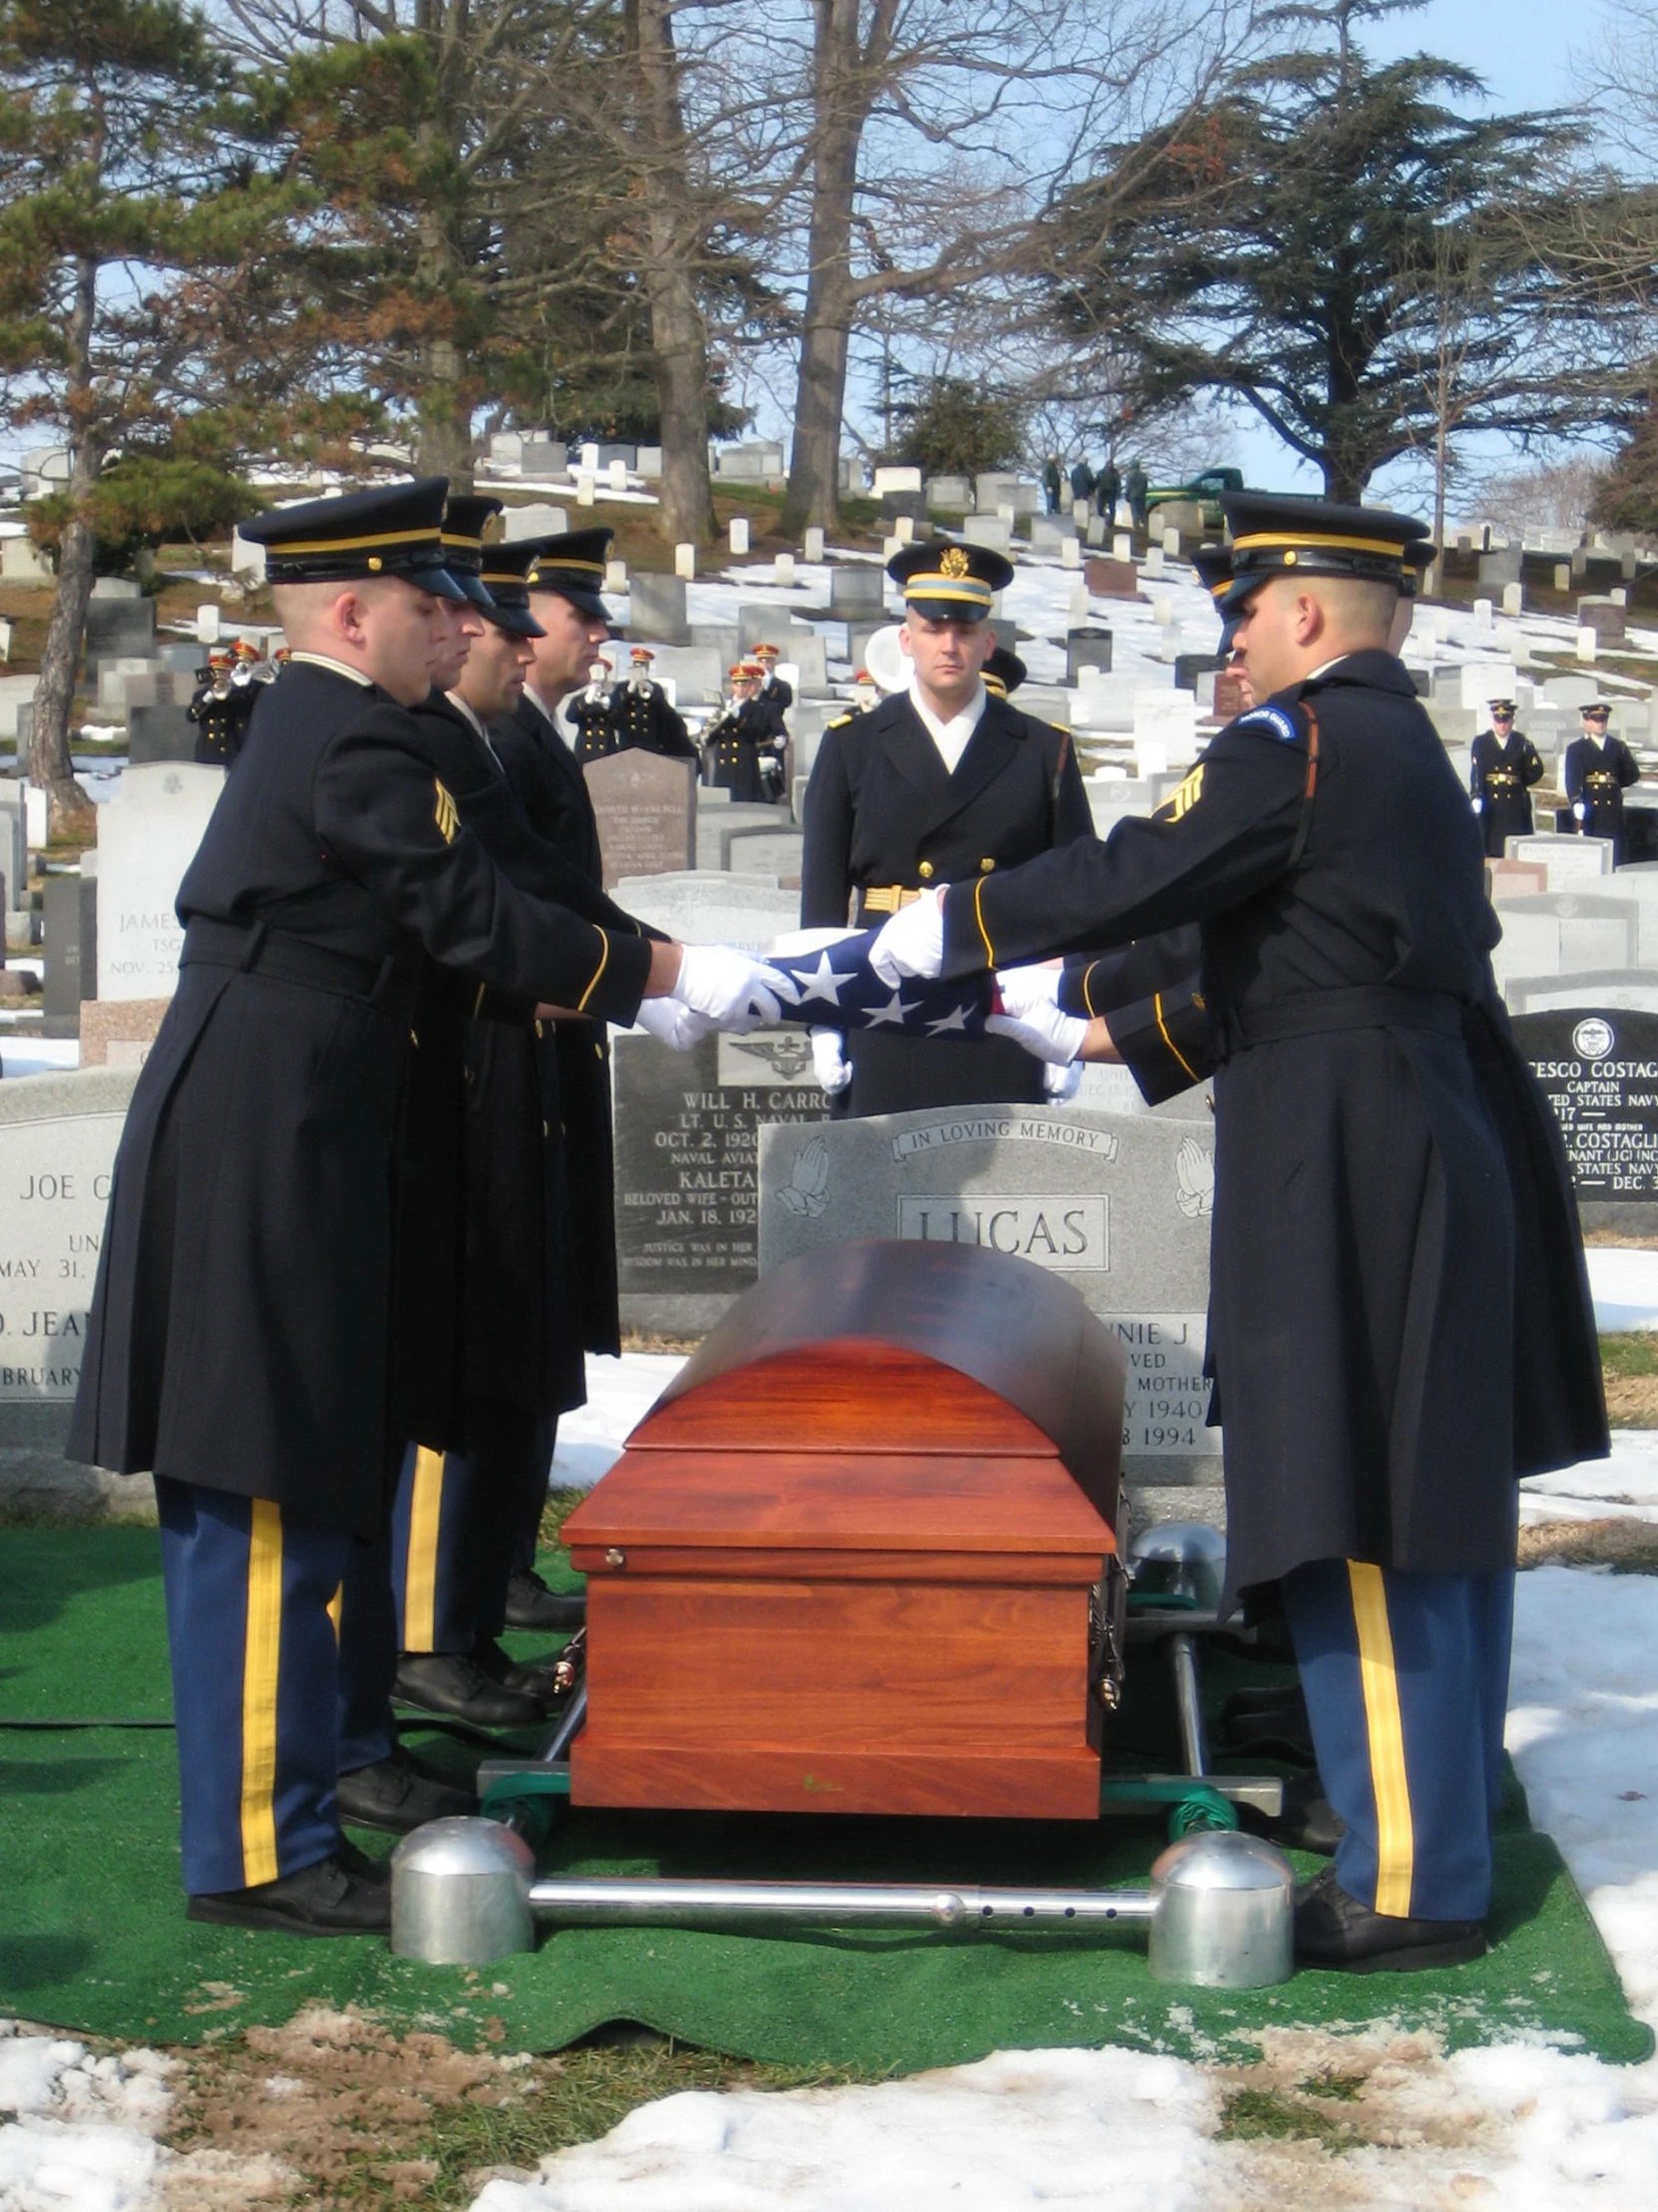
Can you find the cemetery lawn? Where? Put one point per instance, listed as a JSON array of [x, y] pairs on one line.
[[1631, 1367]]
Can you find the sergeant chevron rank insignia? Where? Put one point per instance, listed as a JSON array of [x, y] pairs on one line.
[[1184, 796], [446, 813]]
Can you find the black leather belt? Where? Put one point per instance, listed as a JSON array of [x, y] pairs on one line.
[[388, 983], [1363, 1006]]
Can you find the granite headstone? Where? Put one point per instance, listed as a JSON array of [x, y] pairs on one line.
[[646, 809], [147, 838], [1599, 1066]]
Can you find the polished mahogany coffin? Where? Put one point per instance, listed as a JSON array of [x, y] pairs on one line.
[[844, 1564]]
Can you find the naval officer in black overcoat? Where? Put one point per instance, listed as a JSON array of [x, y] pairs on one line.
[[1504, 766], [938, 783], [1400, 1322], [1596, 773], [239, 1339]]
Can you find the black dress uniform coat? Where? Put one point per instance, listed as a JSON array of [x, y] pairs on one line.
[[221, 719], [543, 775], [778, 692], [1596, 777], [240, 1330], [645, 719], [595, 728], [883, 810], [735, 742], [1500, 781], [519, 1323], [1400, 1319]]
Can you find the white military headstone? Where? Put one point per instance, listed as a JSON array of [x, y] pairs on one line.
[[147, 838]]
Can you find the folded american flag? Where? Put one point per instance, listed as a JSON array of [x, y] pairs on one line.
[[837, 989]]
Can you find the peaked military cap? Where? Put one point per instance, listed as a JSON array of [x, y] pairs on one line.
[[1214, 572], [1597, 710], [1420, 555], [951, 583], [1501, 706], [390, 530], [505, 568], [1004, 672], [572, 565], [1277, 534], [465, 519]]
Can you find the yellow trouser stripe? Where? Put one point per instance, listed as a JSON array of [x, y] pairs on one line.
[[420, 1575], [260, 1665], [1163, 1031], [1395, 1840], [336, 1609]]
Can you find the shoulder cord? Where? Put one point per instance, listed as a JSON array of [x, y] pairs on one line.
[[1306, 821]]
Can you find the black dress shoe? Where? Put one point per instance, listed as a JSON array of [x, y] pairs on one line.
[[527, 1677], [327, 1899], [397, 1794], [1307, 1821], [1335, 1930], [454, 1683], [531, 1605]]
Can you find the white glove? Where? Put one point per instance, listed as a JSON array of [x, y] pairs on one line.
[[1582, 810], [1062, 1083], [1045, 1031], [674, 1024], [1479, 806], [829, 1060], [912, 943], [1024, 988], [735, 991]]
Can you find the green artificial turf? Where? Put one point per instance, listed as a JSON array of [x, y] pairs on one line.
[[93, 1935]]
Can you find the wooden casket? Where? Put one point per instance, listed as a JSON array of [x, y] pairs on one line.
[[845, 1562]]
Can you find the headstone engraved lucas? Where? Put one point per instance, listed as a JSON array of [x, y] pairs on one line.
[[646, 809], [1599, 1069], [686, 1127], [58, 1135], [1119, 1204]]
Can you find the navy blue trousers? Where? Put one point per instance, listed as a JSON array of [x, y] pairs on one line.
[[1407, 1682], [251, 1595], [459, 1523]]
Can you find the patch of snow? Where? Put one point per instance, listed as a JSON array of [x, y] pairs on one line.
[[620, 1392], [1624, 1282]]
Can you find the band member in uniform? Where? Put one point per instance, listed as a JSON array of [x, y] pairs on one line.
[[772, 690], [640, 714], [1599, 769], [589, 714], [217, 711], [1505, 763], [1389, 1182], [744, 744], [239, 1333], [937, 782]]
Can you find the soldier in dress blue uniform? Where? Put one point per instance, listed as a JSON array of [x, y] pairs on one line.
[[739, 744], [239, 1342], [1597, 770], [641, 717], [590, 715], [563, 583], [939, 781], [1399, 1321], [217, 711], [1504, 766], [772, 690]]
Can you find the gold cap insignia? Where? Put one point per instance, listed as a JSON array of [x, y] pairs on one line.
[[955, 563]]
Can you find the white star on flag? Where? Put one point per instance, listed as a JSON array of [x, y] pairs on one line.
[[955, 1020], [824, 982], [895, 1010]]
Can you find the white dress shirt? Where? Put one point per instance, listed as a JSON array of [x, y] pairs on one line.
[[335, 667], [951, 736]]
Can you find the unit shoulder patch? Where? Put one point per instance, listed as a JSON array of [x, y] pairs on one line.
[[1271, 721]]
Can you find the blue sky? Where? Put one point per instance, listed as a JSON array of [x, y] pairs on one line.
[[1518, 47]]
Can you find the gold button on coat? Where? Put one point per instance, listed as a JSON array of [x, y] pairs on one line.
[[924, 871]]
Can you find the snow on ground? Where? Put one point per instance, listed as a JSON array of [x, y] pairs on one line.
[[25, 1055], [1624, 1280], [79, 2129]]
